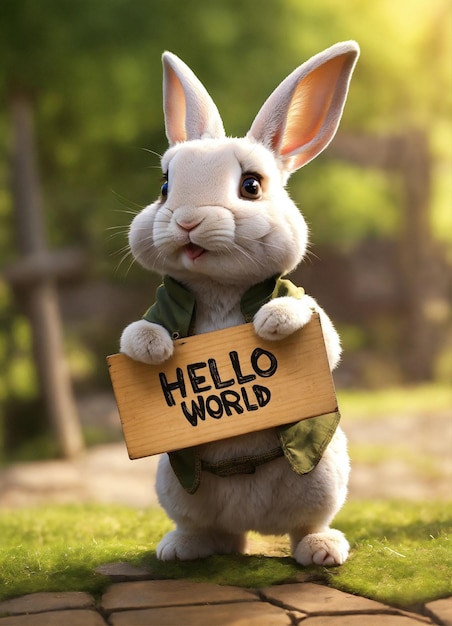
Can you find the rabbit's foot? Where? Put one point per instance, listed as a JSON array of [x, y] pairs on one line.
[[187, 546], [324, 548], [146, 342], [281, 317]]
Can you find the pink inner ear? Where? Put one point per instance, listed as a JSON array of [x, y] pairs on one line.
[[309, 116], [175, 108], [190, 112]]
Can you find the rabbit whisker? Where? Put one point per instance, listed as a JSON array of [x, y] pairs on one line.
[[124, 227], [126, 201], [123, 259], [244, 254], [152, 152], [124, 251], [128, 212], [116, 236]]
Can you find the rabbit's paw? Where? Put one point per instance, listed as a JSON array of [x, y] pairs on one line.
[[281, 317], [185, 547], [146, 342], [325, 548], [188, 546]]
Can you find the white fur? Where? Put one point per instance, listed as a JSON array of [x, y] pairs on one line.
[[146, 342], [272, 501], [219, 242]]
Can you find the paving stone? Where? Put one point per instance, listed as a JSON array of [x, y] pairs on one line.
[[55, 618], [47, 601], [160, 593], [240, 614], [122, 572], [420, 619], [441, 610], [361, 620], [319, 599]]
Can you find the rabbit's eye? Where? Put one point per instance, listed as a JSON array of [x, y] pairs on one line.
[[250, 187], [164, 189]]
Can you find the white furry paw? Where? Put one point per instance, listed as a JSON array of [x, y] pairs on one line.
[[146, 342], [187, 546], [325, 548], [281, 317]]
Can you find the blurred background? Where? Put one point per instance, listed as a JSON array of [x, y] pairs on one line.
[[81, 128]]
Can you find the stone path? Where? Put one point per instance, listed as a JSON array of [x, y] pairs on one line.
[[105, 474], [180, 603]]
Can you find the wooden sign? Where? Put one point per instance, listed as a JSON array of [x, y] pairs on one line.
[[221, 384]]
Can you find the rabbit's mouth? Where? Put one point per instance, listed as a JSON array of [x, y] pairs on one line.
[[193, 251]]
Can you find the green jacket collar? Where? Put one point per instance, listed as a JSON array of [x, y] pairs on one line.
[[175, 305]]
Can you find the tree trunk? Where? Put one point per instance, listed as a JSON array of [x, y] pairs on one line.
[[40, 297], [420, 264]]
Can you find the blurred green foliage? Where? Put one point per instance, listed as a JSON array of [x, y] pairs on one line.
[[92, 69], [345, 204]]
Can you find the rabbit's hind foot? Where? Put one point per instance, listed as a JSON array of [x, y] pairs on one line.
[[187, 546], [325, 548]]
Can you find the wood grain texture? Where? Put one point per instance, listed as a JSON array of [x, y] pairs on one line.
[[241, 382]]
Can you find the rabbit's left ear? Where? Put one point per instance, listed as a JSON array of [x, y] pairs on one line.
[[301, 116], [190, 112]]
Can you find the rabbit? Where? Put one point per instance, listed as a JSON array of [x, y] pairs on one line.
[[224, 223]]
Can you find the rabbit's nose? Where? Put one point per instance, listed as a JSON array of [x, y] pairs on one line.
[[188, 225]]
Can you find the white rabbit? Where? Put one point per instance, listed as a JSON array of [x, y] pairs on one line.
[[223, 224]]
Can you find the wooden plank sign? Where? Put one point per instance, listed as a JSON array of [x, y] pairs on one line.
[[221, 384]]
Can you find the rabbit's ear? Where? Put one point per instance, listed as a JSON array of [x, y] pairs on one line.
[[301, 116], [190, 112]]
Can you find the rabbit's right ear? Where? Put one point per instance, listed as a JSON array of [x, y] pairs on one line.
[[190, 112], [301, 116]]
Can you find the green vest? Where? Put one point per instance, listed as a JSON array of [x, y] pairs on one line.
[[302, 443]]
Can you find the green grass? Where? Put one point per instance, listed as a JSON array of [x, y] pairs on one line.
[[391, 401], [57, 547], [400, 551]]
